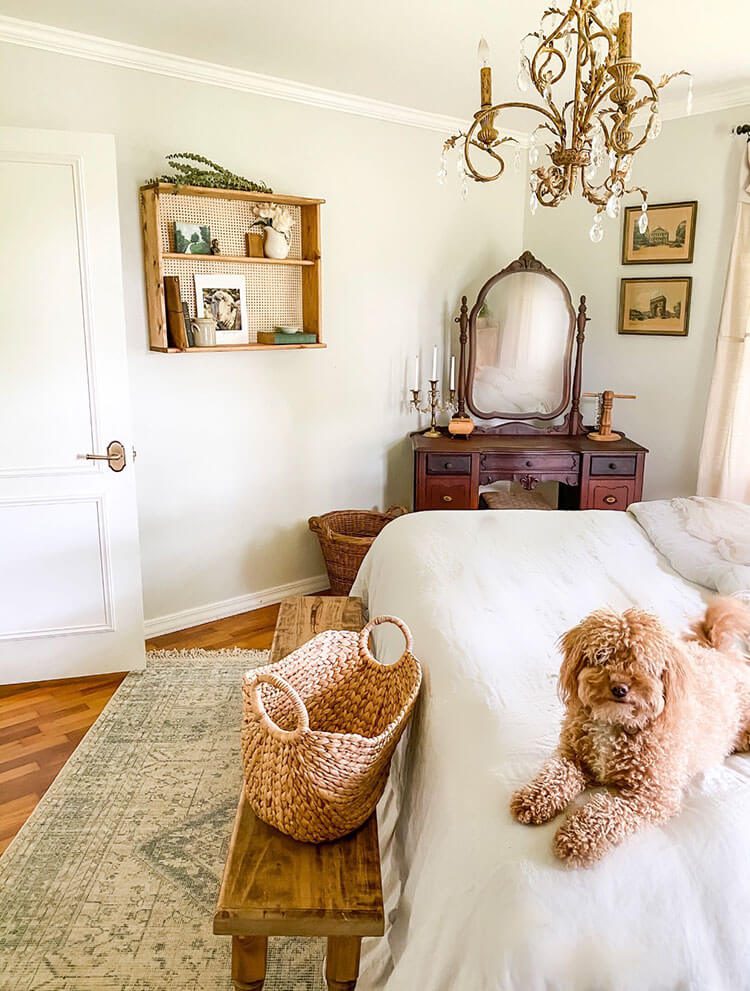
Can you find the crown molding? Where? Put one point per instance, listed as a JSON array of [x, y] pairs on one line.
[[706, 102], [61, 41]]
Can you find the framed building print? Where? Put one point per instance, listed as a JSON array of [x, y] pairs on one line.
[[669, 239], [655, 306]]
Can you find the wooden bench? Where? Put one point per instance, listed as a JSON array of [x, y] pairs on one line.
[[275, 886]]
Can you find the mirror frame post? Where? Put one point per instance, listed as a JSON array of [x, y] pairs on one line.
[[575, 418], [463, 321]]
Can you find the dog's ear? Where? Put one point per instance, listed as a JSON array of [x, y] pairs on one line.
[[572, 646], [674, 677]]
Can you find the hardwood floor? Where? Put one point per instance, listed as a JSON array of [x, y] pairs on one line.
[[42, 723]]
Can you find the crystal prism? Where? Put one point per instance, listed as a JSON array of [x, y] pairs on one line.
[[613, 206]]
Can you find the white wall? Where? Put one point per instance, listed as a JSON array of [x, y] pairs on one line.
[[695, 158], [235, 451]]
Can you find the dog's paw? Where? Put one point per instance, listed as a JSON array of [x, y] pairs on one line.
[[574, 847], [533, 806]]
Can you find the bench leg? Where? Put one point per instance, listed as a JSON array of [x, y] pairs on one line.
[[249, 962], [342, 965]]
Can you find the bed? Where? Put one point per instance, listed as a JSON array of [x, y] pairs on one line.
[[474, 901]]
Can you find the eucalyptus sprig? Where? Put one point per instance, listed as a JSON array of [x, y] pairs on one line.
[[186, 165]]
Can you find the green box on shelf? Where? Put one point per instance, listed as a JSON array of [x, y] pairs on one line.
[[277, 337]]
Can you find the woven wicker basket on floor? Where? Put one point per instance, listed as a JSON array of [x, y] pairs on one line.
[[345, 537], [319, 731]]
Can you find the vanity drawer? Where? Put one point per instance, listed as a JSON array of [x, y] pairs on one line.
[[515, 463], [602, 464], [444, 492], [448, 464], [610, 495]]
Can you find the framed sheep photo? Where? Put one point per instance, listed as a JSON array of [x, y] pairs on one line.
[[669, 239], [223, 298]]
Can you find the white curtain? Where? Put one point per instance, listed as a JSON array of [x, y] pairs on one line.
[[725, 456]]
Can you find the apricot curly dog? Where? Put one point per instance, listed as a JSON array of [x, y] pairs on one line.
[[644, 713]]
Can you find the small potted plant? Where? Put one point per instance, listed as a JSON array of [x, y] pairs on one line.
[[277, 222]]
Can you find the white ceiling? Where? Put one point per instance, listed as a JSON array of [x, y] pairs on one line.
[[417, 53]]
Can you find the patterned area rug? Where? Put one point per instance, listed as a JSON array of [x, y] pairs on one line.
[[111, 884]]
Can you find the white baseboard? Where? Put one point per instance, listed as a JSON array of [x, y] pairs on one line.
[[231, 607]]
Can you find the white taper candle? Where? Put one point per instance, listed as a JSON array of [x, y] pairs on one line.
[[434, 364], [453, 372], [416, 374]]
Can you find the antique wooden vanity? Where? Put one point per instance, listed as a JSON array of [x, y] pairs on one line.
[[519, 376]]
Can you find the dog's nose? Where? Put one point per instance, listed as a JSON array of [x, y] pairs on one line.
[[619, 691]]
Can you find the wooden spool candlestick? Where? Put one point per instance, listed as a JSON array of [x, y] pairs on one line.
[[606, 399]]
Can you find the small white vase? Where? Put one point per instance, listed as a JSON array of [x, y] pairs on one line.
[[275, 245]]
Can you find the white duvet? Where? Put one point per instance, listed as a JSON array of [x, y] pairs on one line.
[[475, 901], [705, 540]]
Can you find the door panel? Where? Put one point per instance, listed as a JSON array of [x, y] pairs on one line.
[[60, 580], [45, 375], [70, 585]]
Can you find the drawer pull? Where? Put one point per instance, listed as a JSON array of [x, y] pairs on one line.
[[610, 500], [447, 498], [612, 466], [448, 464], [529, 464]]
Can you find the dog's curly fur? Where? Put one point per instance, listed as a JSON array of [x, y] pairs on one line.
[[644, 713]]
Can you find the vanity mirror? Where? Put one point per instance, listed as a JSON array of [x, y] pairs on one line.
[[517, 372]]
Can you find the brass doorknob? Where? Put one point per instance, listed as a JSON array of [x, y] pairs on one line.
[[447, 498], [115, 456], [610, 500]]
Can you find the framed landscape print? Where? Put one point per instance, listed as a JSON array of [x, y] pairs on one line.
[[669, 240], [192, 239], [655, 306], [223, 298]]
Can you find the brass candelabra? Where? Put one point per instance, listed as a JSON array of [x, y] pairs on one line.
[[435, 405]]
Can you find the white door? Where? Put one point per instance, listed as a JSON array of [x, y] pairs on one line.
[[70, 581]]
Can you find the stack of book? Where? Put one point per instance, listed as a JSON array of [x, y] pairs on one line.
[[285, 335]]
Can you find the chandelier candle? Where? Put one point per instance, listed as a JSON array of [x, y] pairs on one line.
[[592, 139], [626, 35]]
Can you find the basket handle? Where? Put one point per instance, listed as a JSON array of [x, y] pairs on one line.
[[364, 650], [256, 703], [395, 511], [320, 527]]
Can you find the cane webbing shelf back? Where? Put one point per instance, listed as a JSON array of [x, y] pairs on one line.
[[277, 291]]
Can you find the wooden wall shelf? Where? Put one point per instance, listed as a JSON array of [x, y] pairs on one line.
[[292, 295], [242, 347], [238, 258]]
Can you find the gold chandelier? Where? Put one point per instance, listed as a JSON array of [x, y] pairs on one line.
[[607, 112]]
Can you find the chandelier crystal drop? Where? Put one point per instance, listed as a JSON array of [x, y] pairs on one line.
[[596, 109]]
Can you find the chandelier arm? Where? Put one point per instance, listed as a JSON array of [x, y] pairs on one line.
[[472, 142], [498, 107], [490, 150]]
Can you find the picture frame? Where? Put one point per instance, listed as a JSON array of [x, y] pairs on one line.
[[224, 298], [670, 238], [192, 239], [656, 307]]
